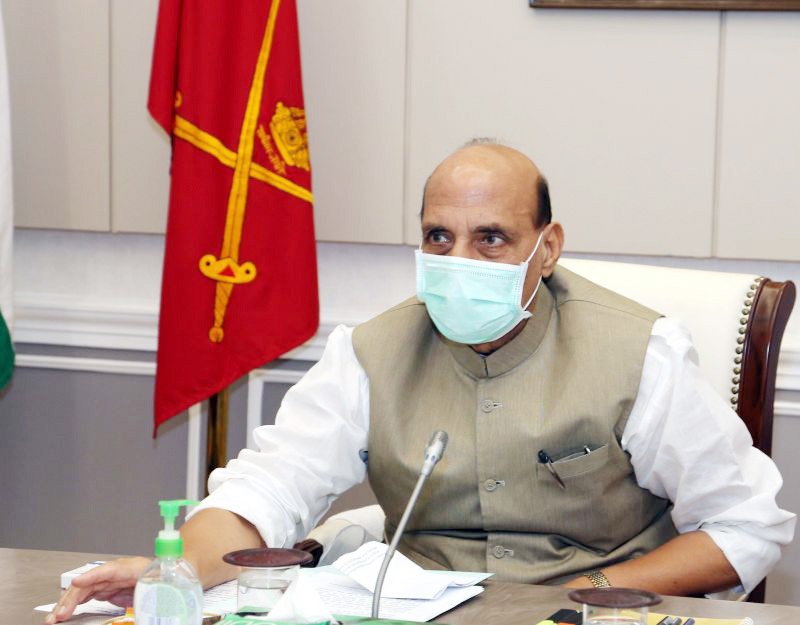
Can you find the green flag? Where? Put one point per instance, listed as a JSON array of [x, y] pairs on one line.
[[6, 222], [6, 354]]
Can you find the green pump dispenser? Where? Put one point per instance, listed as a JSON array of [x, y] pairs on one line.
[[169, 592], [169, 543]]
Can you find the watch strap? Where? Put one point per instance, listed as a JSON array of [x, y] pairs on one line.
[[598, 579]]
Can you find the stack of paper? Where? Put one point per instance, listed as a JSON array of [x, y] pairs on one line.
[[404, 579], [409, 592]]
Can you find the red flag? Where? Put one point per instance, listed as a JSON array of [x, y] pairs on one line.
[[240, 279]]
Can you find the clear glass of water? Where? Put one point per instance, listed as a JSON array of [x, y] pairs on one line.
[[259, 589], [614, 606], [265, 576], [594, 615]]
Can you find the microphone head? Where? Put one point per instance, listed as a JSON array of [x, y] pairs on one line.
[[434, 451], [439, 438]]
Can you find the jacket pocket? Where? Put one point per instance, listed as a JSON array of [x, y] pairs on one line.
[[579, 463]]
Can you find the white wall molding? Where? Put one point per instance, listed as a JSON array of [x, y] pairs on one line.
[[787, 408], [89, 365], [133, 325], [788, 378], [77, 322], [276, 376], [134, 367]]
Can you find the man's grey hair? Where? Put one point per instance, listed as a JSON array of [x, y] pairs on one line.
[[484, 141]]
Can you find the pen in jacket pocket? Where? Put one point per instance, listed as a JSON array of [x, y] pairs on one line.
[[544, 458]]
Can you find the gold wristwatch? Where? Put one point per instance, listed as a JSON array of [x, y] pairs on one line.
[[598, 579]]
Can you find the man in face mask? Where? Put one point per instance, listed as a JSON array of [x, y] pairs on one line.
[[567, 408]]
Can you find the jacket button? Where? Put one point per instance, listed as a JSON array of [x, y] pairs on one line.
[[499, 551], [491, 484], [487, 405]]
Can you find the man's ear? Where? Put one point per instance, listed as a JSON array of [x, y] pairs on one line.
[[553, 243]]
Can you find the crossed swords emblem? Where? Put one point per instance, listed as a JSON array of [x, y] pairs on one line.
[[288, 129]]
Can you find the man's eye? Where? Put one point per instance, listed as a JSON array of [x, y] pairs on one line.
[[493, 240], [437, 237]]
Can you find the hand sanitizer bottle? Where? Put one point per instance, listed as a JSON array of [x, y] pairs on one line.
[[169, 591]]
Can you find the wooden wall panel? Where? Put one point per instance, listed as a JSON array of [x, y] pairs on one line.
[[140, 151], [759, 196], [353, 54], [58, 78], [354, 77], [617, 108]]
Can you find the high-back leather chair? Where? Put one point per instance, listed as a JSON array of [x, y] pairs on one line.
[[736, 321]]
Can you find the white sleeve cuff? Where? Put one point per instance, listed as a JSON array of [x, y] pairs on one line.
[[239, 497], [750, 556]]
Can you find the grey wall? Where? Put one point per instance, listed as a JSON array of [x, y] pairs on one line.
[[80, 471]]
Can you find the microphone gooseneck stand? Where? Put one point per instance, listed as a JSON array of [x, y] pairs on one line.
[[433, 453]]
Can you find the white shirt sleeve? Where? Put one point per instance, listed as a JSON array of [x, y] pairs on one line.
[[308, 458], [687, 445]]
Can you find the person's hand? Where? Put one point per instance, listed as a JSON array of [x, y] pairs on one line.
[[112, 582]]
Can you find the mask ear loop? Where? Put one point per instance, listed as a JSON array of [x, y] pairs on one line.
[[535, 291], [538, 284], [536, 247]]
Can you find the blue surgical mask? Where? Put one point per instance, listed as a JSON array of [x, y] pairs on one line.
[[473, 301]]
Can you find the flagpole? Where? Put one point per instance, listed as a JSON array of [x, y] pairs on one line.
[[217, 432]]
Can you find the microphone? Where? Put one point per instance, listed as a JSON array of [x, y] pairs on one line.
[[433, 453]]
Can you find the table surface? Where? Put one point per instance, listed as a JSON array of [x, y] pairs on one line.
[[30, 577]]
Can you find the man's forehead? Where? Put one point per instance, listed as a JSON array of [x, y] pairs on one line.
[[480, 171], [472, 206], [464, 184], [490, 157]]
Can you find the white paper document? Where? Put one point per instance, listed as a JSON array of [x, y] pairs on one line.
[[217, 600], [343, 597], [220, 599], [90, 607], [404, 579]]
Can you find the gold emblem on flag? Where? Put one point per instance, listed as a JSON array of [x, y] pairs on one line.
[[288, 129], [227, 270], [272, 154]]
